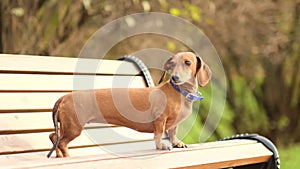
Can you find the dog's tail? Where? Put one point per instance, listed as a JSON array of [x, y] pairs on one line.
[[55, 122]]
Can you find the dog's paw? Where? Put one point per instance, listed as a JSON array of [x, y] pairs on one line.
[[163, 147], [179, 144]]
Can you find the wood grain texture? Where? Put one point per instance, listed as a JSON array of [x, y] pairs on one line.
[[66, 83], [217, 155], [28, 101], [39, 141], [29, 87], [64, 65], [14, 123]]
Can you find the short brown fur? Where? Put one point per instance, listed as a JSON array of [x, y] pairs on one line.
[[153, 110]]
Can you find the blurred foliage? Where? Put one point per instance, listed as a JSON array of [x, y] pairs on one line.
[[258, 43], [289, 157]]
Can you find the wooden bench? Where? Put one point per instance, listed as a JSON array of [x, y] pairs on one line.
[[29, 87]]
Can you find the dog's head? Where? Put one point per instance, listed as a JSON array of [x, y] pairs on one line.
[[185, 66]]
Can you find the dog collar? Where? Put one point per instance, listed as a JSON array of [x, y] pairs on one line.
[[187, 95]]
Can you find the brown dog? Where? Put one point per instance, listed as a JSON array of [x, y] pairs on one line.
[[154, 110]]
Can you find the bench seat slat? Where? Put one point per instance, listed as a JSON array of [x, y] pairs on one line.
[[206, 159], [216, 155], [64, 65], [32, 142], [38, 82], [104, 151]]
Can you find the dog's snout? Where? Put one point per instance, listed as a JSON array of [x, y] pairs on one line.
[[175, 78]]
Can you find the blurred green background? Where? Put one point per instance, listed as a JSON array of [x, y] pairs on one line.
[[258, 43]]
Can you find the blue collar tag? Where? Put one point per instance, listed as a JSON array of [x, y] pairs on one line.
[[187, 95]]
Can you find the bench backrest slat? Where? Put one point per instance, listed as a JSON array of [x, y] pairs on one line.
[[64, 65], [13, 123], [30, 85], [64, 83]]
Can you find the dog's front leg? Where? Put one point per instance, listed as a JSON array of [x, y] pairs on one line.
[[159, 128], [174, 140]]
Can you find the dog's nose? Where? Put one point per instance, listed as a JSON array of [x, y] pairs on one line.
[[175, 78]]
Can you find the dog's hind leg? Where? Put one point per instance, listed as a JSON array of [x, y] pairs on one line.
[[63, 147], [52, 137], [68, 133]]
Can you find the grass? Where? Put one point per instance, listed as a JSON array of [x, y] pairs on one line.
[[289, 156]]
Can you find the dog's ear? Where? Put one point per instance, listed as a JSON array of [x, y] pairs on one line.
[[203, 72], [168, 64]]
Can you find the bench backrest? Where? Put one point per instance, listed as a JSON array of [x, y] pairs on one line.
[[29, 87]]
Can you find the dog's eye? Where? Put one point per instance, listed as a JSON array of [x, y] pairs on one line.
[[188, 63], [172, 63]]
